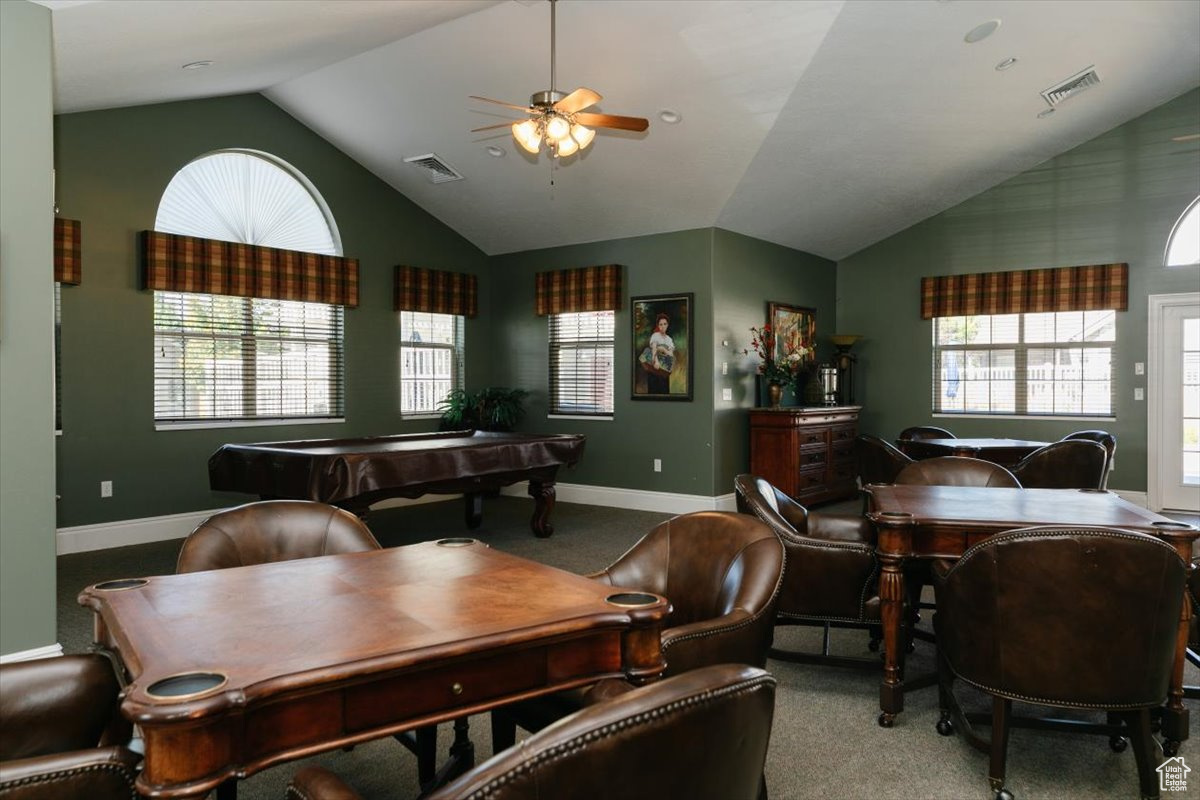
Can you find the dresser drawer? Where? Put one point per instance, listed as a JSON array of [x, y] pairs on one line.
[[813, 458], [843, 433]]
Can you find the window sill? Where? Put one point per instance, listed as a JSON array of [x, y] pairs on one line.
[[192, 425], [421, 415], [1025, 417], [594, 417]]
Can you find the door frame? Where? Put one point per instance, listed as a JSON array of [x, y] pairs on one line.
[[1154, 390]]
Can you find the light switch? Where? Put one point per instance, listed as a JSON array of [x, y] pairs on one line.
[[727, 394], [1139, 368], [1139, 393], [724, 367]]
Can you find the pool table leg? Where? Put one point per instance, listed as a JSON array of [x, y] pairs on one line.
[[543, 504], [474, 509]]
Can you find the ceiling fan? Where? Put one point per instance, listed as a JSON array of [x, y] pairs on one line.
[[559, 118]]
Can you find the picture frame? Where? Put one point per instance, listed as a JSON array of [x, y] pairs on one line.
[[795, 326], [663, 342]]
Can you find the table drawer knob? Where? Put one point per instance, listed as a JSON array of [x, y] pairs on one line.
[[456, 689]]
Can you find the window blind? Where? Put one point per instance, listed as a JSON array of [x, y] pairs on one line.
[[581, 363]]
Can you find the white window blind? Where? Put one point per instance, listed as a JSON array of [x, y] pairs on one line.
[[1046, 364], [431, 359], [228, 358], [581, 363]]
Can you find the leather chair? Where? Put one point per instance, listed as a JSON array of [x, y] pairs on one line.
[[1018, 596], [957, 471], [272, 530], [919, 432], [1103, 438], [722, 574], [1069, 464], [878, 460], [62, 733], [831, 578], [1193, 647], [702, 735]]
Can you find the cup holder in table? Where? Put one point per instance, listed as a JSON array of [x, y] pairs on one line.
[[1173, 526], [1095, 491], [186, 685], [120, 584], [456, 541], [631, 599], [894, 514]]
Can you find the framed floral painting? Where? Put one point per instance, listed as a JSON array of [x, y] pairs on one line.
[[662, 347], [795, 333]]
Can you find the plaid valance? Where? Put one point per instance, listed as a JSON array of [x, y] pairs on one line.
[[68, 237], [1089, 288], [573, 290], [175, 263], [436, 291]]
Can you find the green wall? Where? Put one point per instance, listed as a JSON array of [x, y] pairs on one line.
[[1112, 199], [747, 274], [112, 169], [27, 566], [620, 452]]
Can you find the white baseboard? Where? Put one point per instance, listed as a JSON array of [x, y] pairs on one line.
[[49, 651], [633, 499], [121, 533]]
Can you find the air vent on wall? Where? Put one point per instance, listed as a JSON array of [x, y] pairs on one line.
[[439, 170], [1071, 86]]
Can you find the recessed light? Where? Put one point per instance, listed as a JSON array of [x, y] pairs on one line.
[[1045, 113], [670, 117], [1005, 64], [494, 151], [197, 65], [981, 31]]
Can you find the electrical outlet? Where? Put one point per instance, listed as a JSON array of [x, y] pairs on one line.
[[724, 367], [1139, 393], [727, 394], [658, 465], [1139, 368], [106, 488]]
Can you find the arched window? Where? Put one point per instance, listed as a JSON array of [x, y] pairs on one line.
[[220, 357], [1183, 245]]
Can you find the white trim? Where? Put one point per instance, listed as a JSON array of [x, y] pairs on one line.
[[593, 417], [1157, 303], [124, 532], [265, 422], [49, 651], [633, 499], [1025, 417]]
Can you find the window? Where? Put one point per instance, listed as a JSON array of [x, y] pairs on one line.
[[581, 363], [431, 356], [219, 357], [1183, 245], [1057, 363]]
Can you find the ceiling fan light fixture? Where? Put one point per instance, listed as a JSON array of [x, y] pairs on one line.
[[566, 147], [557, 128], [527, 135], [582, 135]]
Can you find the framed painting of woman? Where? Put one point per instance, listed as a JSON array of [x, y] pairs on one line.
[[662, 347]]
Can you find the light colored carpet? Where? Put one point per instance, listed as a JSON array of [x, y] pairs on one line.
[[825, 742]]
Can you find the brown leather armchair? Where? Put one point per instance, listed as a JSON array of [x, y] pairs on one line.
[[1015, 597], [722, 574], [878, 460], [1193, 647], [1066, 464], [831, 578], [1107, 440], [272, 530], [957, 471], [62, 733], [668, 739], [919, 432]]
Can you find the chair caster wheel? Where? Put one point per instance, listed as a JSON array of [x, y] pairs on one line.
[[1004, 794], [1170, 748], [945, 727], [886, 720], [1117, 743]]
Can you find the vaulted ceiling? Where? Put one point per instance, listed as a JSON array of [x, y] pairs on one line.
[[823, 125]]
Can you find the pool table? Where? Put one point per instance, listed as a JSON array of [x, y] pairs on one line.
[[354, 473]]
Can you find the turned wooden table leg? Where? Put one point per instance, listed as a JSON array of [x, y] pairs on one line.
[[895, 542], [543, 503], [1175, 718]]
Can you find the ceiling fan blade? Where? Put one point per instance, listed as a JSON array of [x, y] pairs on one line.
[[577, 100], [493, 127], [526, 109], [612, 121]]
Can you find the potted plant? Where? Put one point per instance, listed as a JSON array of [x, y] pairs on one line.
[[495, 408]]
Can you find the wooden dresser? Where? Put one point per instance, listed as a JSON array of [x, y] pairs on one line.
[[806, 452]]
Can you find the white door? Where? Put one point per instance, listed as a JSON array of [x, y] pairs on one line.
[[1175, 450]]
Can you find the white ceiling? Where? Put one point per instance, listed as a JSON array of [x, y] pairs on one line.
[[823, 125]]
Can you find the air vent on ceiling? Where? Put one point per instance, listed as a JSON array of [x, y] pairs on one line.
[[1071, 86], [439, 170]]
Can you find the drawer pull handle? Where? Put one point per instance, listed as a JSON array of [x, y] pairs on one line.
[[456, 689]]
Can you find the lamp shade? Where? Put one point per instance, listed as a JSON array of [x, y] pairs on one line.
[[527, 135], [582, 135]]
